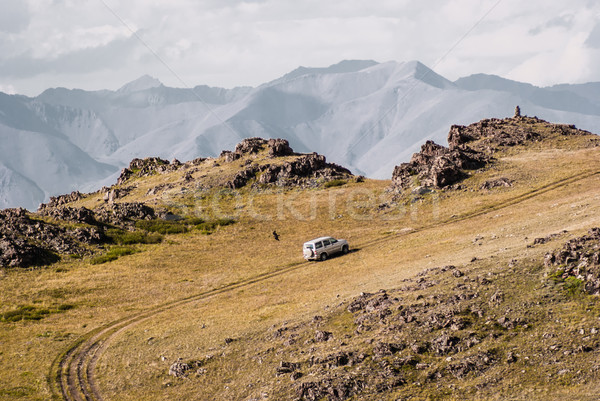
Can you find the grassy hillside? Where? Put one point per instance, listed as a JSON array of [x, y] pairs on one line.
[[231, 304]]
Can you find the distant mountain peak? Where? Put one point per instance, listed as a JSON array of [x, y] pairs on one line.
[[142, 83], [425, 74], [344, 66]]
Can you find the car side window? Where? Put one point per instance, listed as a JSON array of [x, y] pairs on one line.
[[333, 241], [326, 242], [319, 245]]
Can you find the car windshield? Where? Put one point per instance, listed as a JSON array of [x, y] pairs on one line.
[[332, 240]]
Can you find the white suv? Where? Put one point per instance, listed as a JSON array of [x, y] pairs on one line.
[[323, 247]]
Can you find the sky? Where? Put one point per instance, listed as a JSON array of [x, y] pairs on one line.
[[103, 44]]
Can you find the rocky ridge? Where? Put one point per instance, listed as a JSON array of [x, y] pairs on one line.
[[62, 227], [472, 147], [305, 171]]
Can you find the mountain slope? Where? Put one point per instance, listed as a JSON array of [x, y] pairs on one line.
[[170, 283], [368, 116]]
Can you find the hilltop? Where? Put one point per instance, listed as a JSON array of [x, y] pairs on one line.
[[122, 213], [473, 274]]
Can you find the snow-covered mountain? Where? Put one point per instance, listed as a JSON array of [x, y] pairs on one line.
[[365, 115]]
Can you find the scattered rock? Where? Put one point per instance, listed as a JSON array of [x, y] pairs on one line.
[[477, 364], [332, 389], [242, 177], [548, 238], [322, 336], [499, 182], [579, 258], [179, 369], [287, 367], [444, 344], [383, 349]]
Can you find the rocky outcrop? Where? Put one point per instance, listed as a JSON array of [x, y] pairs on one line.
[[436, 166], [493, 133], [125, 213], [578, 259], [311, 166], [250, 145], [305, 171], [276, 148], [25, 241], [56, 201], [242, 177], [149, 166], [72, 214], [279, 148], [17, 252], [472, 147]]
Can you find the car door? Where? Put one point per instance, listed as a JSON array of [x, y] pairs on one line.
[[335, 245]]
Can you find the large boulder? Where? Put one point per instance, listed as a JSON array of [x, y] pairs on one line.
[[279, 147], [250, 145]]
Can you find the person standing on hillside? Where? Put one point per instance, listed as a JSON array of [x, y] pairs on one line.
[[275, 235]]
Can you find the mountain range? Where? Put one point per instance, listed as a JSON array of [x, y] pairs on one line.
[[365, 115]]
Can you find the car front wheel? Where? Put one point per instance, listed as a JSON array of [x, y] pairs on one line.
[[345, 249]]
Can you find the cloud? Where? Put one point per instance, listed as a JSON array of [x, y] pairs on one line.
[[247, 42], [564, 21], [89, 59], [14, 16], [8, 89], [593, 40]]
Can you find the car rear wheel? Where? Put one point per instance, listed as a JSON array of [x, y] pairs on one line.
[[345, 249], [323, 256]]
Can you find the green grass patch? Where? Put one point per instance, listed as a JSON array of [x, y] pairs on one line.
[[31, 312], [122, 237], [207, 227], [335, 183], [20, 392], [574, 286], [163, 226], [182, 226], [114, 254]]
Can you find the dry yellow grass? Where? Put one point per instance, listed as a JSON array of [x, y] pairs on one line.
[[390, 245]]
